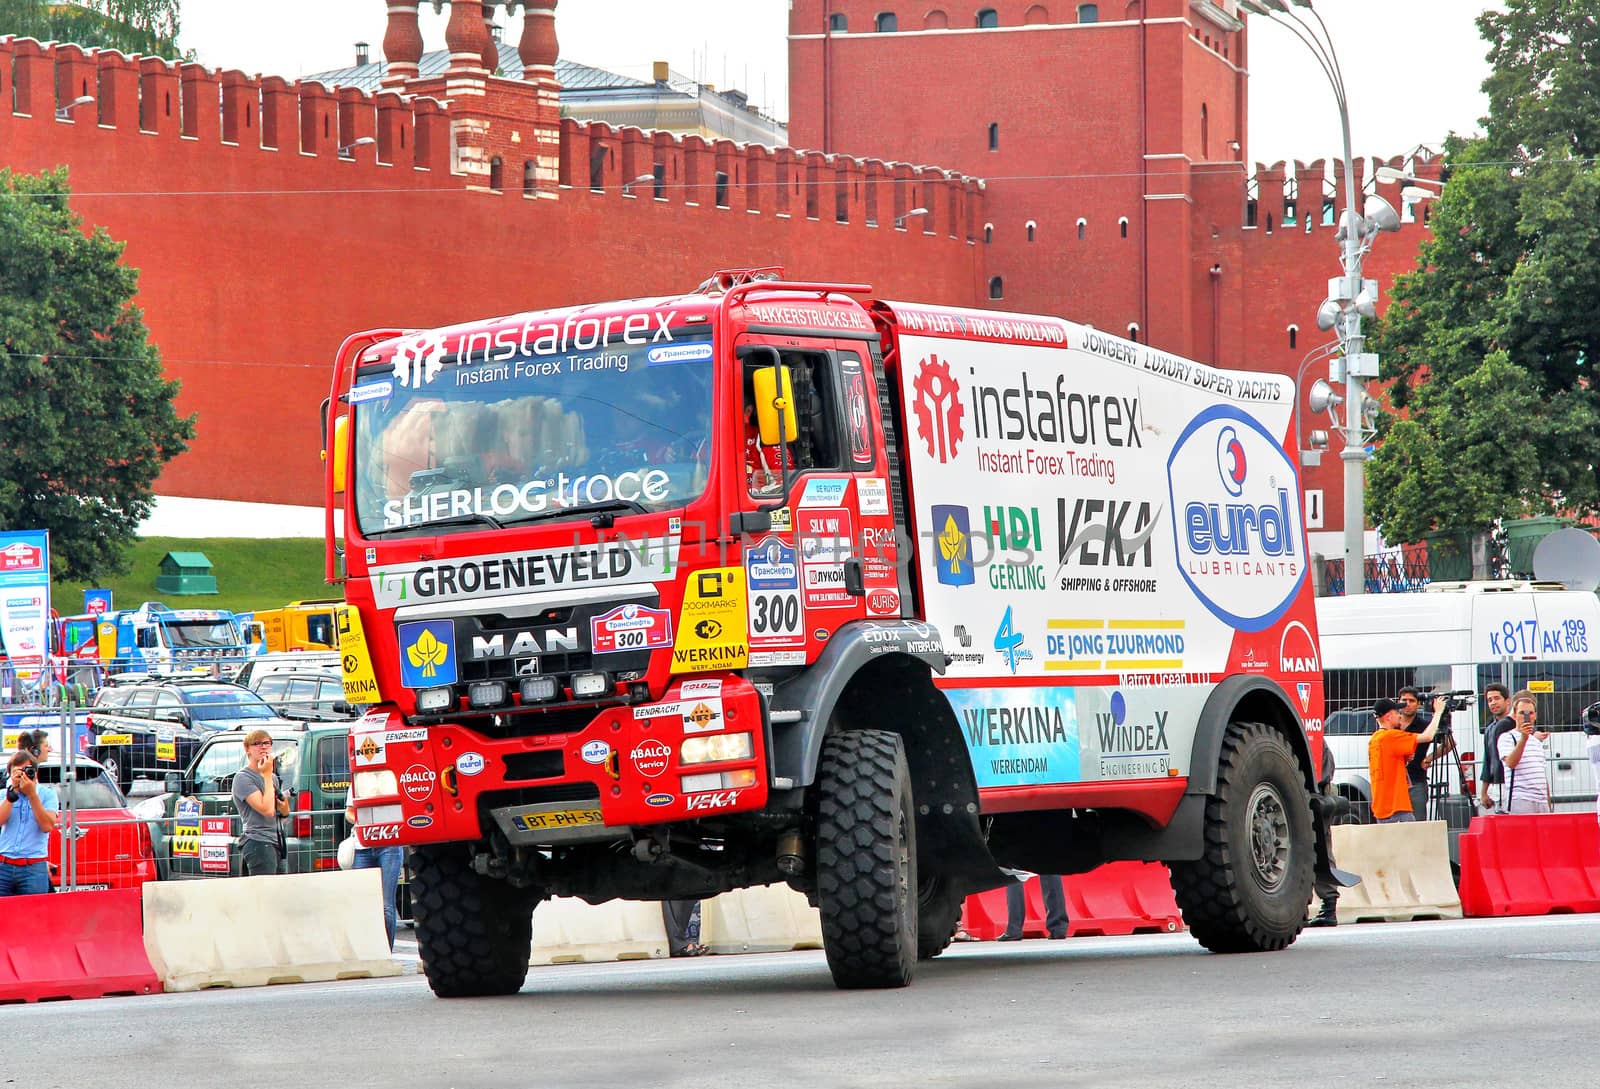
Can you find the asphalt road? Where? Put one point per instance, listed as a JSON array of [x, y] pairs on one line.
[[1504, 1003]]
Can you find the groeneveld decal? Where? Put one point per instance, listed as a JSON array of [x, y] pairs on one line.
[[1236, 520], [610, 563]]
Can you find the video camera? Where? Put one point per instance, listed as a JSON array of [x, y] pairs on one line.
[[1456, 700]]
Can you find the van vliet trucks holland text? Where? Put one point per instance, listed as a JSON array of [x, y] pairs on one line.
[[666, 597]]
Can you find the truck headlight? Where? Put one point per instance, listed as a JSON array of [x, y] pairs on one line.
[[436, 699], [712, 748], [374, 784]]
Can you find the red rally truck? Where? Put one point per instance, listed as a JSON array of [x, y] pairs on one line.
[[769, 582]]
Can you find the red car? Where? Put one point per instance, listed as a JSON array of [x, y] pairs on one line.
[[113, 843]]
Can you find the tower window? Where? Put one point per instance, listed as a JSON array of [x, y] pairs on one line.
[[988, 232], [1294, 335], [496, 173], [1133, 332], [528, 167], [988, 18], [997, 287], [1083, 229], [1122, 225], [887, 22], [1088, 13], [838, 22], [994, 136], [1033, 229], [1205, 132]]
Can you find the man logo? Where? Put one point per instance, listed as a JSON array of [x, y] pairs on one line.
[[938, 408], [1297, 651]]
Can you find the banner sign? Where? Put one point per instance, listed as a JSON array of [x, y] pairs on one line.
[[25, 600]]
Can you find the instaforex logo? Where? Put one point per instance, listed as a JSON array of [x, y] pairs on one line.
[[1237, 530], [938, 407]]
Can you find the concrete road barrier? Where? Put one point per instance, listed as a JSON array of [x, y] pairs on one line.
[[567, 930], [1404, 868], [766, 919], [252, 931]]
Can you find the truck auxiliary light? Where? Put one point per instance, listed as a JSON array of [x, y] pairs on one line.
[[539, 689], [486, 693], [436, 699], [710, 748], [588, 685]]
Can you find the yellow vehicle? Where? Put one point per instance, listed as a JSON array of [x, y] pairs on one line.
[[300, 625]]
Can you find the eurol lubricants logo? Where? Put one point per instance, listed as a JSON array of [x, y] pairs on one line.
[[937, 403], [1238, 533]]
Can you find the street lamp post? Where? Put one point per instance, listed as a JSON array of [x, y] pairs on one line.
[[1350, 297]]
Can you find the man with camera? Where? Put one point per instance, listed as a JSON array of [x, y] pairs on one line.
[[256, 797], [27, 817], [1388, 750], [1522, 751], [1496, 697]]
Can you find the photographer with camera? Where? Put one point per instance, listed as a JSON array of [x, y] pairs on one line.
[[27, 817], [1496, 697], [1413, 720], [256, 797], [1591, 740], [1523, 752], [1388, 750]]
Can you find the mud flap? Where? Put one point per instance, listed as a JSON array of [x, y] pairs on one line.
[[1323, 810]]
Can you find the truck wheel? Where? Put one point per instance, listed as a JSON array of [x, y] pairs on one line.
[[474, 934], [867, 860], [938, 916], [1247, 893]]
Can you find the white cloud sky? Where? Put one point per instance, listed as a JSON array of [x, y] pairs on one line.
[[1412, 67]]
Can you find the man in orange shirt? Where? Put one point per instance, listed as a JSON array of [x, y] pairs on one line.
[[1387, 752]]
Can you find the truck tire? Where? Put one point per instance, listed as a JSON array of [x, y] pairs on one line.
[[1248, 892], [866, 860], [474, 934], [938, 916]]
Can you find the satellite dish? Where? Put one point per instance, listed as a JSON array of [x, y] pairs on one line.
[[1570, 557]]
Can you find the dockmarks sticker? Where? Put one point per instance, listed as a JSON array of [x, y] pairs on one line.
[[713, 633]]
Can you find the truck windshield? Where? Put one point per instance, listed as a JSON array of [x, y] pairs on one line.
[[515, 438], [201, 633]]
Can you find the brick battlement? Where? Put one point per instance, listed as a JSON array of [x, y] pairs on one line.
[[1310, 197], [505, 139]]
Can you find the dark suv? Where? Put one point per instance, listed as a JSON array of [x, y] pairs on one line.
[[315, 696], [146, 729]]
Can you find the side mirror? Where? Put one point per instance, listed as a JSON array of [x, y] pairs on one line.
[[173, 714], [172, 783], [774, 396], [341, 459]]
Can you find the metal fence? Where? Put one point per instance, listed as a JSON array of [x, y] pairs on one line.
[[1392, 572]]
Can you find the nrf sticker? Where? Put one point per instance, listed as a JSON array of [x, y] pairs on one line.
[[1237, 529], [631, 627]]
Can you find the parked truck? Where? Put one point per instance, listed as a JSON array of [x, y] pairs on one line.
[[299, 625], [156, 639], [772, 582]]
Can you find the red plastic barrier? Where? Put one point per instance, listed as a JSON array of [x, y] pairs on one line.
[[74, 945], [1543, 864], [1116, 898]]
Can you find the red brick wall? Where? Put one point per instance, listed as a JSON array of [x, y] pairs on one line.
[[255, 262]]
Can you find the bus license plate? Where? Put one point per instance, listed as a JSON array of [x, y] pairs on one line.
[[560, 818]]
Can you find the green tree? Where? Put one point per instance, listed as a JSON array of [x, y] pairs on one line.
[[148, 27], [87, 418], [1493, 340]]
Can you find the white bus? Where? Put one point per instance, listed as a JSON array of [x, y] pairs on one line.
[[1462, 636]]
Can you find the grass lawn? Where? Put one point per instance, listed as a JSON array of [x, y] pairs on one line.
[[251, 574]]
